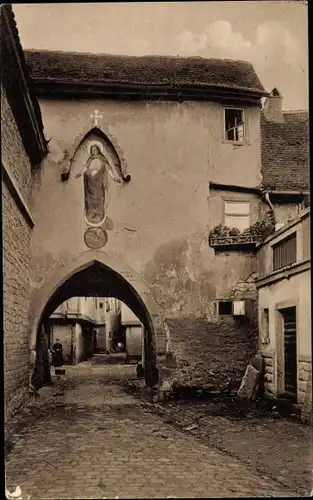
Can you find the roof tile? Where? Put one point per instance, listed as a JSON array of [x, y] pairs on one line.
[[72, 67], [285, 152]]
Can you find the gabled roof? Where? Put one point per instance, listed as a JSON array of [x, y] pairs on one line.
[[19, 89], [152, 71], [285, 152]]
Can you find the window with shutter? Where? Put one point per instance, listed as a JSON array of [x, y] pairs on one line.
[[285, 252]]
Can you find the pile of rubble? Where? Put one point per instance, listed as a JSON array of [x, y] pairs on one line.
[[206, 356]]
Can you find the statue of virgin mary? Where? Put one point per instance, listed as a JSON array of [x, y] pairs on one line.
[[95, 174]]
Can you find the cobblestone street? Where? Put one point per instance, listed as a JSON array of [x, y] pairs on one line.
[[91, 439], [249, 438]]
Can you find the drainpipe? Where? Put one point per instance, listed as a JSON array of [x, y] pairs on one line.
[[268, 201]]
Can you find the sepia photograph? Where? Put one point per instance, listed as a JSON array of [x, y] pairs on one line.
[[157, 338]]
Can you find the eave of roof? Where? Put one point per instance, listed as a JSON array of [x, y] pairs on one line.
[[18, 87], [60, 72]]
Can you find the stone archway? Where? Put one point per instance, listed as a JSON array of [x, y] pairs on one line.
[[98, 273]]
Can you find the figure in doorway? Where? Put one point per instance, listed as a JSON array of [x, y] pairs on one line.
[[95, 175], [57, 354]]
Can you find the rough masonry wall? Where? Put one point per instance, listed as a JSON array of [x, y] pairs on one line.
[[305, 371], [16, 263], [211, 355], [16, 240], [13, 154]]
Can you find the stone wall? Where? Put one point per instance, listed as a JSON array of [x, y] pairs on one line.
[[212, 355], [307, 410], [16, 262], [13, 154], [245, 288], [304, 399], [305, 368], [269, 374]]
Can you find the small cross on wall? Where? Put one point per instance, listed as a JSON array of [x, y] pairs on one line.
[[96, 117]]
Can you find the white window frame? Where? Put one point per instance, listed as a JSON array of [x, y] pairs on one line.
[[233, 141], [234, 200]]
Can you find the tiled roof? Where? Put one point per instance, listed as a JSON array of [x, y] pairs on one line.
[[9, 14], [19, 86], [72, 67], [285, 152]]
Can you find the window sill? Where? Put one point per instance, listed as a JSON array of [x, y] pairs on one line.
[[284, 268], [235, 143], [284, 273]]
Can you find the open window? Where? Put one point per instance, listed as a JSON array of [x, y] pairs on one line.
[[234, 126], [225, 307]]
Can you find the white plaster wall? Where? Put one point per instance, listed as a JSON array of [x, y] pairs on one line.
[[79, 343], [127, 316], [295, 291], [301, 226], [172, 151]]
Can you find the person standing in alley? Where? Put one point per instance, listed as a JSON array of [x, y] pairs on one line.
[[57, 354]]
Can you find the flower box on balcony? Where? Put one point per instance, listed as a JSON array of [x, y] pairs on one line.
[[223, 236], [217, 241]]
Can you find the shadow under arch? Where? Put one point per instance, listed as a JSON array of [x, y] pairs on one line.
[[95, 273]]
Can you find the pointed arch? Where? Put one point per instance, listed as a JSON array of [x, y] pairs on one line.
[[109, 139], [124, 283]]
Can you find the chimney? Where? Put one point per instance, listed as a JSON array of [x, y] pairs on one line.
[[273, 107]]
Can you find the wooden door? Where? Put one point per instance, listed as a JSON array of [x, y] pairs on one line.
[[290, 352]]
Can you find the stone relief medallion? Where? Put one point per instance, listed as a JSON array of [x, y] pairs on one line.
[[95, 237]]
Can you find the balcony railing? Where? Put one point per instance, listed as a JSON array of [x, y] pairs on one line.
[[223, 236], [217, 241]]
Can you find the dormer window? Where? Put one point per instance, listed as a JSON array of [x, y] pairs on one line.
[[234, 127]]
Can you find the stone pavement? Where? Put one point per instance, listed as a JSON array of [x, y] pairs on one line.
[[280, 449], [93, 440]]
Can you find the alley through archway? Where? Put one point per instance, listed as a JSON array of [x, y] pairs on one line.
[[92, 439]]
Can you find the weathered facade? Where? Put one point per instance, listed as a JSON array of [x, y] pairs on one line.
[[285, 334], [160, 220], [149, 160], [22, 149]]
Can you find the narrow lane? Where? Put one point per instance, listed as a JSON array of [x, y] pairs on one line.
[[96, 441]]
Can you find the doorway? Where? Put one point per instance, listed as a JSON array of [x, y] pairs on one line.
[[290, 352]]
